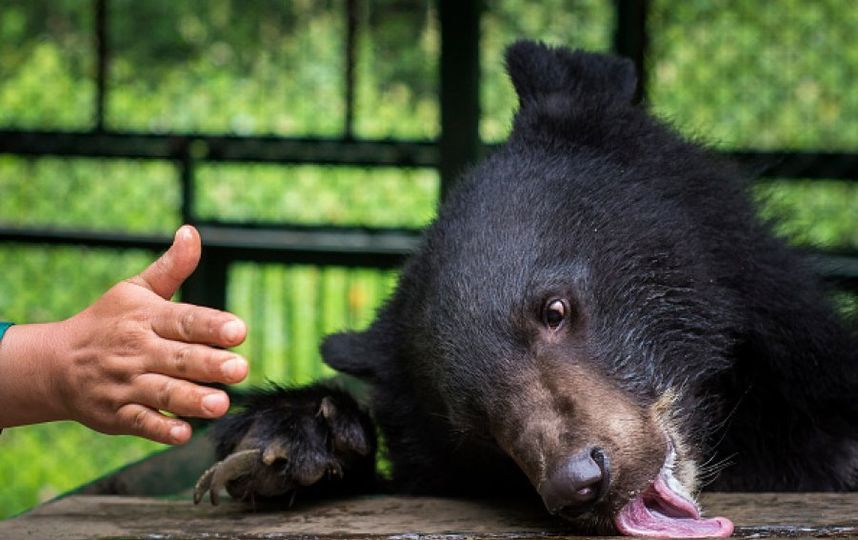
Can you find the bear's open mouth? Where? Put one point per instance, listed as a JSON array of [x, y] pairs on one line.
[[663, 510]]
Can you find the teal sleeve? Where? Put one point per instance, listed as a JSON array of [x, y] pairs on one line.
[[3, 327]]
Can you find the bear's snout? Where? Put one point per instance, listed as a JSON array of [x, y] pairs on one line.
[[577, 484], [585, 445]]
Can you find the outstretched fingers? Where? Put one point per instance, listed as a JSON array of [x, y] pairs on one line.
[[197, 363], [146, 422], [195, 324], [180, 397]]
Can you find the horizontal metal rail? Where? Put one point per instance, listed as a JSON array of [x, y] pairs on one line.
[[367, 247], [340, 246], [220, 148], [376, 152], [798, 164]]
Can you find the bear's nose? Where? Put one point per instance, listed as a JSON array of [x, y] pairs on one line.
[[577, 483]]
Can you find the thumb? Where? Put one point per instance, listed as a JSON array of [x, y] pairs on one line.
[[166, 274]]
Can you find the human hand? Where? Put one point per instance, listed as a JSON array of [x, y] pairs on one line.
[[134, 353]]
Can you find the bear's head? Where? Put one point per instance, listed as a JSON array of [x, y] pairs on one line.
[[565, 306]]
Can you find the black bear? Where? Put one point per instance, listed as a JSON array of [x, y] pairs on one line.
[[596, 317]]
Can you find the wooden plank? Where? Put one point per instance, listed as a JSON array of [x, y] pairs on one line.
[[79, 516]]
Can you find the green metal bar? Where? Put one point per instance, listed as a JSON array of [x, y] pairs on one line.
[[220, 148], [341, 246], [630, 38], [101, 49], [460, 88], [207, 285], [383, 153], [351, 44]]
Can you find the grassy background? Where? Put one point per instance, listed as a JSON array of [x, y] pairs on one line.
[[737, 73]]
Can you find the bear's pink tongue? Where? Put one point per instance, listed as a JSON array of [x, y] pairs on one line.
[[660, 512]]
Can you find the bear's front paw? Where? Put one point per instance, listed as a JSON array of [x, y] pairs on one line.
[[291, 448]]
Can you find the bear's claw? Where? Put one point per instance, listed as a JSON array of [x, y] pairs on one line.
[[242, 463]]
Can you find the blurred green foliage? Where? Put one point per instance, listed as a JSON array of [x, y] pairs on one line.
[[738, 73], [99, 194], [757, 74], [310, 194], [46, 64], [174, 63], [290, 308], [812, 213]]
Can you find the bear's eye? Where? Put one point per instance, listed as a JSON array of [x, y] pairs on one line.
[[555, 313]]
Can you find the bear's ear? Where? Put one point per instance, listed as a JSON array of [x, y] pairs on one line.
[[352, 353], [537, 70]]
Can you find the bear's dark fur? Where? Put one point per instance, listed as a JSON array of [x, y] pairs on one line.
[[595, 303]]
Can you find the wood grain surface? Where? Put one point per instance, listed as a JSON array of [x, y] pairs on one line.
[[400, 518]]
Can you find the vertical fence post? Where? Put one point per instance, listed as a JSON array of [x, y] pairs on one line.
[[460, 88], [101, 48], [630, 38], [207, 285], [351, 43]]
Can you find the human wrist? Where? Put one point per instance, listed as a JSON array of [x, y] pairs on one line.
[[28, 364], [59, 349]]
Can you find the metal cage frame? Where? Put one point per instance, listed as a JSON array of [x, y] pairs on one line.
[[457, 146]]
